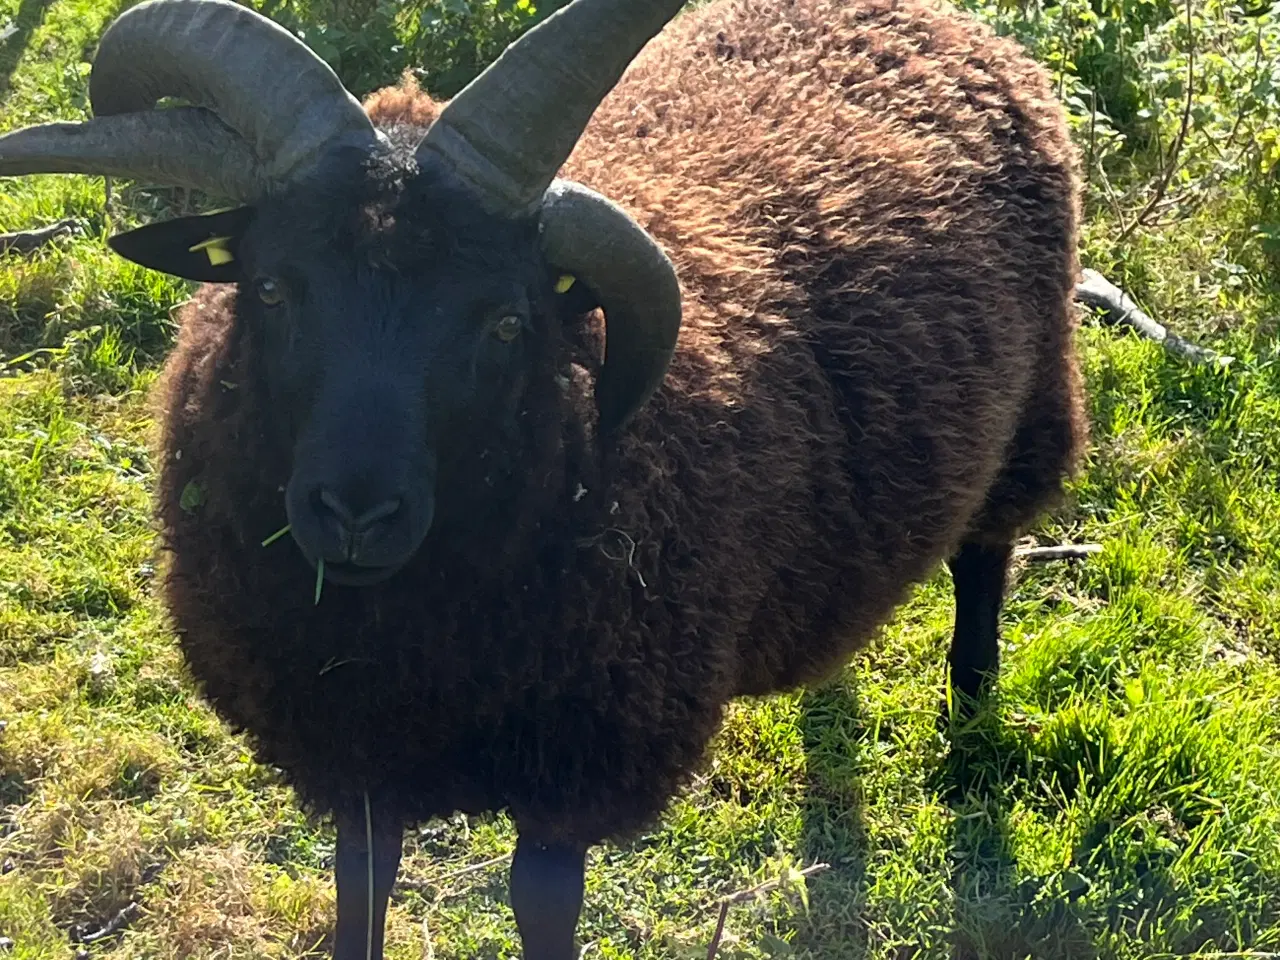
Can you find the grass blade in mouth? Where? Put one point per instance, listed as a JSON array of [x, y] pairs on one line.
[[277, 535]]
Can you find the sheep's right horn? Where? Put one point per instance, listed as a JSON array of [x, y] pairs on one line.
[[171, 147], [215, 54], [512, 128]]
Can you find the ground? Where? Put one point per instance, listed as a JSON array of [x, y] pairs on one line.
[[1123, 796]]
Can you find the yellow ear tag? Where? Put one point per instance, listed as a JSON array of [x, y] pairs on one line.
[[564, 283], [215, 249]]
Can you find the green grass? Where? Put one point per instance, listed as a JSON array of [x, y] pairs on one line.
[[1124, 793]]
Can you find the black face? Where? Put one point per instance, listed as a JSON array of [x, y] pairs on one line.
[[389, 366], [400, 330]]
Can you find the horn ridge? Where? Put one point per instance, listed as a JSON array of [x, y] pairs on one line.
[[184, 147], [260, 80], [512, 128]]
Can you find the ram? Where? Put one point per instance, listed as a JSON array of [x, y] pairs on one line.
[[568, 464]]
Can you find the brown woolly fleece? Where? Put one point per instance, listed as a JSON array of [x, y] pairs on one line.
[[872, 208]]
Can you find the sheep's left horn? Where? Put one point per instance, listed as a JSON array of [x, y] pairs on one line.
[[510, 130], [598, 243]]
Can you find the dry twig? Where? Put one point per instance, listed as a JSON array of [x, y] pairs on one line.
[[742, 895], [453, 874], [428, 951], [1183, 127]]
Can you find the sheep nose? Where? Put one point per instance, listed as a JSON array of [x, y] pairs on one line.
[[358, 522], [356, 525]]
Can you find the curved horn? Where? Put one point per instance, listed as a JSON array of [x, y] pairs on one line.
[[510, 129], [599, 243], [173, 147], [218, 55], [259, 79]]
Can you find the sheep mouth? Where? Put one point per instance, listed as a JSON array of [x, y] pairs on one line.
[[356, 575]]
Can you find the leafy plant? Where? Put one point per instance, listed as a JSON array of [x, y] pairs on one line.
[[444, 42]]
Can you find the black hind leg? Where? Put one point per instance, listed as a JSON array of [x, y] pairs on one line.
[[978, 572]]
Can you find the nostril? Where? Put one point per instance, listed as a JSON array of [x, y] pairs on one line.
[[330, 502], [348, 518], [385, 510]]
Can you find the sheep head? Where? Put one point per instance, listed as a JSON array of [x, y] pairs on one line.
[[404, 299]]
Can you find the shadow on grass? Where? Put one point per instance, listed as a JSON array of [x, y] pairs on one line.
[[831, 725], [999, 914], [997, 910], [30, 16]]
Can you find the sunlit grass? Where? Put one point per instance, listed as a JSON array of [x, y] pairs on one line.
[[1123, 797]]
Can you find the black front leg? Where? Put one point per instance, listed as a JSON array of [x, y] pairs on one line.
[[546, 894], [367, 861], [978, 573]]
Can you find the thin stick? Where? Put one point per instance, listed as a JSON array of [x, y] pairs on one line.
[[714, 946], [368, 839], [112, 925], [1253, 79], [453, 874], [473, 868], [428, 951], [747, 894], [1063, 551], [1093, 135], [1178, 141], [319, 579]]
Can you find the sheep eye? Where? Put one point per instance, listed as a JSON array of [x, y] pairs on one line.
[[269, 291], [508, 328]]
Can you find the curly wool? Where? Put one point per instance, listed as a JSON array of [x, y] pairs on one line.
[[872, 209]]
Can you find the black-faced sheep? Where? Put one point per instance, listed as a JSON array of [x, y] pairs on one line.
[[549, 573]]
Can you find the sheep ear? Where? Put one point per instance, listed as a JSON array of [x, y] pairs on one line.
[[203, 248], [574, 295]]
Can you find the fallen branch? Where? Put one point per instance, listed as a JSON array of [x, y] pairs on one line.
[[28, 241], [114, 925], [1063, 551], [1097, 291], [714, 947]]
